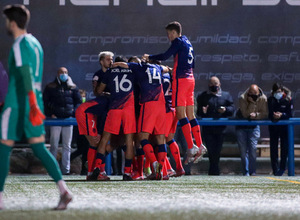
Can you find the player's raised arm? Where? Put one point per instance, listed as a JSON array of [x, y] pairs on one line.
[[120, 64]]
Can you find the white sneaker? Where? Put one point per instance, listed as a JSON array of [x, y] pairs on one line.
[[198, 157], [191, 153]]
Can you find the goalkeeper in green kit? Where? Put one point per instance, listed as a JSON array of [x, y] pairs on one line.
[[22, 111]]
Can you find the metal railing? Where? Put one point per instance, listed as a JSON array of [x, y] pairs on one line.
[[223, 121]]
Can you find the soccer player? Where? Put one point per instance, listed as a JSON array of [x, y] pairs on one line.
[[183, 85], [153, 110], [21, 113], [90, 118], [121, 113], [171, 124]]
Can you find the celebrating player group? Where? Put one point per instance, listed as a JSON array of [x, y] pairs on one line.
[[143, 101]]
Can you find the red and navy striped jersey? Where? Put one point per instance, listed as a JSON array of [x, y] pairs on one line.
[[119, 82], [167, 86], [183, 52], [148, 76]]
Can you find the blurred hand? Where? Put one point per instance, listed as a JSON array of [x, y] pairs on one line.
[[277, 115], [222, 109], [252, 115], [204, 109]]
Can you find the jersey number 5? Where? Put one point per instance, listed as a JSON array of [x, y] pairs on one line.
[[191, 57], [120, 85]]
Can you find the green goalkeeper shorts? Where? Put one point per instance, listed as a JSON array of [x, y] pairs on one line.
[[14, 123]]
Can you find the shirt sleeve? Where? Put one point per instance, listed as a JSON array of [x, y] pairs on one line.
[[171, 51]]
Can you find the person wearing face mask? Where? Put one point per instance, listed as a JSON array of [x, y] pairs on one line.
[[61, 98], [252, 106], [214, 103], [280, 108]]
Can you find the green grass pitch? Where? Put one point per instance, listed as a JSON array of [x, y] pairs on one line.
[[188, 197]]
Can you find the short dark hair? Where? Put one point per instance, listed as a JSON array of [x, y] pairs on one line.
[[174, 25], [276, 86], [132, 59], [121, 59], [18, 13]]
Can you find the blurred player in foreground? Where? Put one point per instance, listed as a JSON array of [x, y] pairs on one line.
[[21, 112]]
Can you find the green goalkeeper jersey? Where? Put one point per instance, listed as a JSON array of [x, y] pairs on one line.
[[26, 53], [26, 50]]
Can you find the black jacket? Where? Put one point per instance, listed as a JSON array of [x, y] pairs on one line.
[[214, 102], [61, 99], [283, 105]]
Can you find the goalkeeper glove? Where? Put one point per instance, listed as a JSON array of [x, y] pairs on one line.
[[36, 117]]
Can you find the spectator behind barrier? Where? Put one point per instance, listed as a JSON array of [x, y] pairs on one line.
[[252, 106], [61, 98], [214, 103], [280, 108]]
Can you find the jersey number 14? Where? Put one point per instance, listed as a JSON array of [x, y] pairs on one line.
[[153, 75]]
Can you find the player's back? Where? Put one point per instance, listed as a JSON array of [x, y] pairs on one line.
[[26, 51], [120, 84], [149, 78], [184, 58]]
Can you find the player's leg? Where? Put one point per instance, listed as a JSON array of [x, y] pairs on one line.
[[185, 125], [67, 133], [149, 152], [196, 132], [5, 151], [176, 154], [100, 157], [37, 145], [92, 152], [128, 157], [54, 139]]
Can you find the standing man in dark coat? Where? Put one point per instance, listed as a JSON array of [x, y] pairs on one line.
[[61, 98], [214, 103]]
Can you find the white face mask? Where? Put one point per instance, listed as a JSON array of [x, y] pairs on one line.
[[278, 95]]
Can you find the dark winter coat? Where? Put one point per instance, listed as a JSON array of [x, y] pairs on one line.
[[61, 98]]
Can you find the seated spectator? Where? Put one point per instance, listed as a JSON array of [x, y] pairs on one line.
[[280, 108], [61, 98], [252, 106], [214, 103]]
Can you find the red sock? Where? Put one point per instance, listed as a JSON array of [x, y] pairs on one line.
[[147, 162], [98, 163], [186, 129], [162, 157], [140, 162], [197, 135], [127, 170], [165, 172], [134, 164], [167, 164], [175, 153], [148, 149], [91, 156], [102, 168]]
